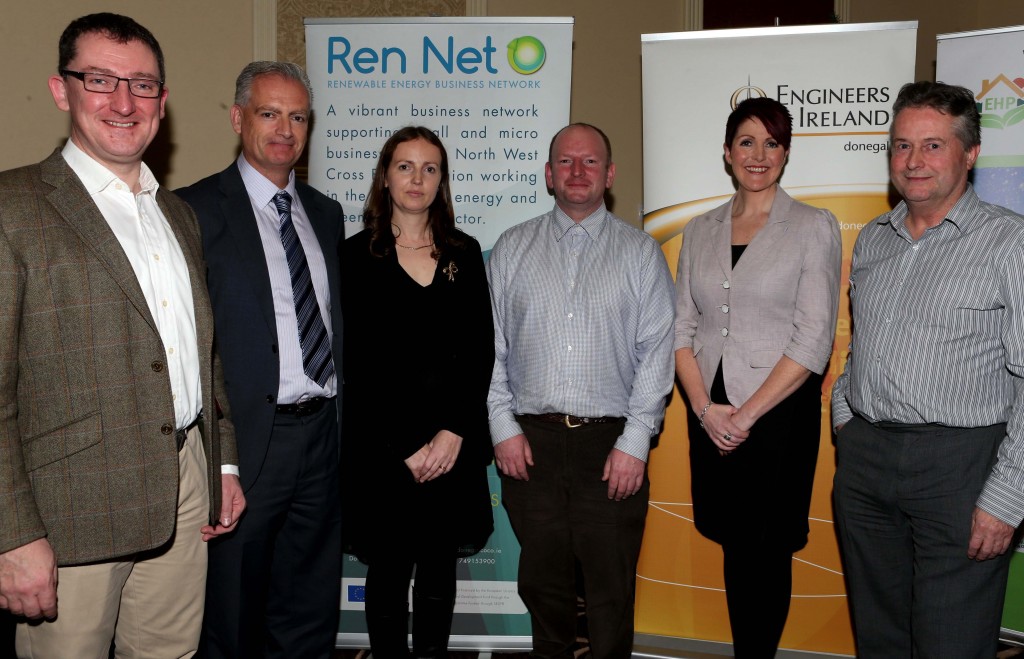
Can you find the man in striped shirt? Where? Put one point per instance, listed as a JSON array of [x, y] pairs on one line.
[[929, 486], [583, 313]]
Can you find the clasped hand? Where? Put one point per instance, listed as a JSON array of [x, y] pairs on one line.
[[436, 457], [725, 426]]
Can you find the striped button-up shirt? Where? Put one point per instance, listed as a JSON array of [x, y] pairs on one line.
[[583, 317], [939, 332]]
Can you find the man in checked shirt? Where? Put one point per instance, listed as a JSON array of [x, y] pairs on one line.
[[583, 313], [929, 487]]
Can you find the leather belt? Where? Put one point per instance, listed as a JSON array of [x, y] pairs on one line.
[[181, 434], [571, 421], [305, 407]]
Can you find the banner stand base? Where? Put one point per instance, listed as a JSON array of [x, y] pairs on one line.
[[456, 643], [646, 646], [650, 646]]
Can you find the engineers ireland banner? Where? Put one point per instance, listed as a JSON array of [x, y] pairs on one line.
[[839, 83]]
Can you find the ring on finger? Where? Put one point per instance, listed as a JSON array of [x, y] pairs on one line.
[[728, 436]]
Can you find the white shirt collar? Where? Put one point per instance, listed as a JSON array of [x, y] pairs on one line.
[[96, 178]]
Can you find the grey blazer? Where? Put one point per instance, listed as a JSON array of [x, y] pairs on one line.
[[88, 457], [782, 298]]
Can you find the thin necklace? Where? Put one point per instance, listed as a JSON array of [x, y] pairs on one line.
[[414, 247]]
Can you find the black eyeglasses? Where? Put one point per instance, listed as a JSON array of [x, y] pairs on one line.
[[102, 83]]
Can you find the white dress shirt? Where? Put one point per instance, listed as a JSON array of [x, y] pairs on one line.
[[160, 268]]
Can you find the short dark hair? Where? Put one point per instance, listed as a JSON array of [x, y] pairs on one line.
[[774, 116], [953, 100], [116, 28], [253, 70], [604, 138], [377, 211]]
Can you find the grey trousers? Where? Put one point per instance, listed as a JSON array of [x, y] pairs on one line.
[[904, 496]]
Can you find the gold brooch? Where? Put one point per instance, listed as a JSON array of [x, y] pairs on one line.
[[451, 270]]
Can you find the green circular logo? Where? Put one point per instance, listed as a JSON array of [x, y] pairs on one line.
[[526, 55]]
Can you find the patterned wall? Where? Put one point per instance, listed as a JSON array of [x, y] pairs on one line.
[[291, 38]]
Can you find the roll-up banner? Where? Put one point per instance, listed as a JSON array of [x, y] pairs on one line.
[[839, 82], [990, 63], [494, 90]]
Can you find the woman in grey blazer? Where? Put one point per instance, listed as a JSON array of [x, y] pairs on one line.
[[757, 293]]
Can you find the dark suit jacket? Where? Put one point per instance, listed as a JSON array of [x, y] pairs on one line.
[[87, 450], [239, 283]]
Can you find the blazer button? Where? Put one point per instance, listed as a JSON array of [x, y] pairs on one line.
[[725, 331], [157, 366], [167, 429], [270, 399], [725, 284]]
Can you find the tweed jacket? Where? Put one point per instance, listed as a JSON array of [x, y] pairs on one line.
[[88, 457], [781, 298]]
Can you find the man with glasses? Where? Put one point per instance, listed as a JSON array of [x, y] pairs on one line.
[[115, 427]]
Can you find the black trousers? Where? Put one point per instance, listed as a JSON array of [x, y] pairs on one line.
[[904, 499], [563, 515], [274, 584], [387, 592]]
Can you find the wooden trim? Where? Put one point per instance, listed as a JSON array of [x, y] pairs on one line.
[[842, 10], [264, 30], [693, 15]]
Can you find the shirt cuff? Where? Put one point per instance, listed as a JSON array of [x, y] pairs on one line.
[[635, 440], [504, 426], [229, 469], [1002, 501], [841, 412]]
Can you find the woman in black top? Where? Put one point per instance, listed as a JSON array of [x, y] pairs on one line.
[[419, 349]]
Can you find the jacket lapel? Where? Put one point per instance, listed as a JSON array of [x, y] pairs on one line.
[[761, 249], [186, 232], [722, 239], [71, 200], [324, 235], [240, 220]]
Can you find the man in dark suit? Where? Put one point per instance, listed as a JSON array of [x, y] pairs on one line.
[[272, 249], [109, 472]]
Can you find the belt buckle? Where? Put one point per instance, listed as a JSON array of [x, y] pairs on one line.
[[569, 424]]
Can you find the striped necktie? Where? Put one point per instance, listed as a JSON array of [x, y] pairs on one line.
[[316, 347]]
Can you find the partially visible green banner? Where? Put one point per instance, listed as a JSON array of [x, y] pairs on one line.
[[1012, 630], [988, 63]]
